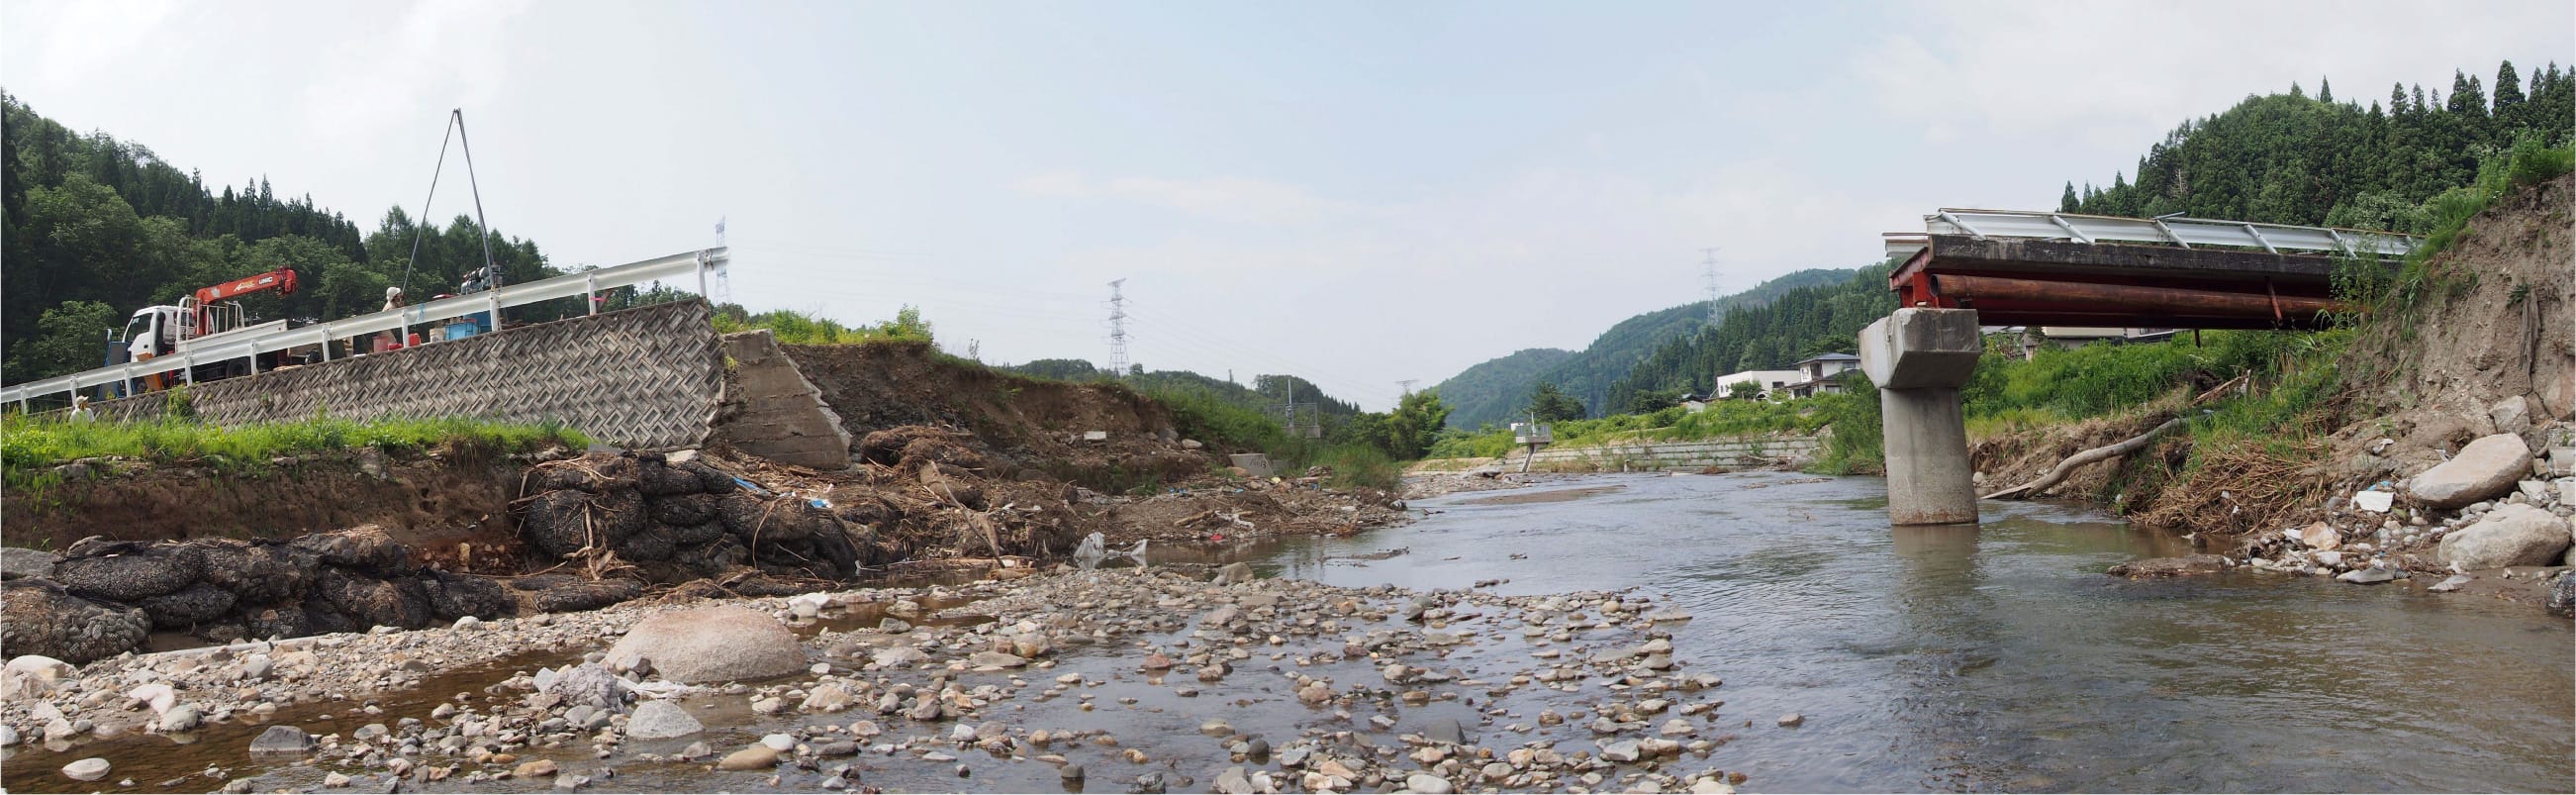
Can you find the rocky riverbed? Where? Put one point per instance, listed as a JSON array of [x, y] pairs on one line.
[[1110, 680]]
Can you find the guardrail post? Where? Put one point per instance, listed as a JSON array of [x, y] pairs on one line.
[[590, 293]]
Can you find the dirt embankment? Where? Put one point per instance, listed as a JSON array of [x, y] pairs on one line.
[[1024, 427], [2486, 350], [430, 500], [953, 466]]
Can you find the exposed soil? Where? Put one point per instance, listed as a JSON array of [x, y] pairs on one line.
[[430, 501], [2005, 460], [1025, 427]]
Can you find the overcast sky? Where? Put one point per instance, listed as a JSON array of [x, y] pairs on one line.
[[1355, 192]]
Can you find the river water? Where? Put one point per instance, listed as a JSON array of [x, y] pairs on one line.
[[2001, 657], [1997, 657]]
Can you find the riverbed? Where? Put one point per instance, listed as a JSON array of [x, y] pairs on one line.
[[2000, 657], [1997, 657]]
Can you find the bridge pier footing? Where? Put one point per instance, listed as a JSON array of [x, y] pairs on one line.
[[1919, 358]]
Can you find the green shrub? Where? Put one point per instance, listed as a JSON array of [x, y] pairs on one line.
[[1359, 465]]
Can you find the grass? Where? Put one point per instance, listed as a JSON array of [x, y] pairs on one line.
[[1359, 465], [791, 327], [29, 446]]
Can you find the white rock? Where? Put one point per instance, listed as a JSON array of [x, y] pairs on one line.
[[2373, 501], [156, 695], [711, 644], [2514, 535], [2484, 469], [1426, 783], [94, 768], [657, 719], [33, 675]]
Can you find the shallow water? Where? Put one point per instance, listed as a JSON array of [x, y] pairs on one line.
[[1992, 658], [2001, 657]]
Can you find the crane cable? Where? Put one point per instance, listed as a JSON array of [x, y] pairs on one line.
[[455, 132]]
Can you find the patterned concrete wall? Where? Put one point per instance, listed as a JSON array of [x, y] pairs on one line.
[[1749, 451], [647, 377]]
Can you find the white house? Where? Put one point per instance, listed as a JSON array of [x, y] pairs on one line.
[[1820, 375], [1774, 383]]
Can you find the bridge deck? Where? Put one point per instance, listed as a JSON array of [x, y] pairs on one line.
[[2068, 283]]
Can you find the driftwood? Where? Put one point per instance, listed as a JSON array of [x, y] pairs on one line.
[[2078, 460]]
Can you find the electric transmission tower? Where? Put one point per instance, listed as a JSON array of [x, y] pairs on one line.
[[1709, 258], [1406, 385], [1117, 329]]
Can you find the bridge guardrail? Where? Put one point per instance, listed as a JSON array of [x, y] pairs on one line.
[[588, 282], [2184, 232]]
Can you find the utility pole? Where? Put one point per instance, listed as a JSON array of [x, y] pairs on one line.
[[1117, 329], [1709, 258]]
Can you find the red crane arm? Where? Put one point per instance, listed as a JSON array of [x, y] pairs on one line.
[[280, 281]]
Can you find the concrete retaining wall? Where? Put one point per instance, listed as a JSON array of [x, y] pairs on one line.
[[647, 377], [1728, 453], [771, 411]]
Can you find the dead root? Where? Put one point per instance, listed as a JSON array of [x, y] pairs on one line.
[[2242, 485]]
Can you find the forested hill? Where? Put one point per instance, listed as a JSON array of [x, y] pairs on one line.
[[1491, 388], [2332, 159], [97, 228], [1801, 323], [2284, 158], [1492, 391]]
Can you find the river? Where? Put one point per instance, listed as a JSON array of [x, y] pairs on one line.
[[2001, 657], [1997, 657]]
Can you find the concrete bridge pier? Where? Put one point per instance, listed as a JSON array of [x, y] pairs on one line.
[[1919, 358]]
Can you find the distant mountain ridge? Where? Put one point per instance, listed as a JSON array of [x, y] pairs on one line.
[[1489, 391]]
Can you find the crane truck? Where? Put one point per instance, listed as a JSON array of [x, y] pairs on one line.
[[209, 317]]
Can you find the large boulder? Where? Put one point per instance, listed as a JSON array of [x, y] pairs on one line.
[[196, 604], [577, 596], [454, 596], [257, 572], [127, 572], [39, 617], [365, 547], [711, 644], [16, 562], [2514, 535], [370, 602], [2485, 469]]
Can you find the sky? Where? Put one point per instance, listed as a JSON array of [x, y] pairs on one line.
[[1358, 193]]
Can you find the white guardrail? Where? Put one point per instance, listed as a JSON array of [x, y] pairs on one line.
[[585, 283], [2184, 232]]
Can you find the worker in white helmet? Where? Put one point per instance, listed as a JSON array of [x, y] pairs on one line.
[[385, 341]]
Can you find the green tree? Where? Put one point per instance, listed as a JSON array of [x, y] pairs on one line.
[[69, 338], [1746, 389], [1414, 424], [1550, 405]]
